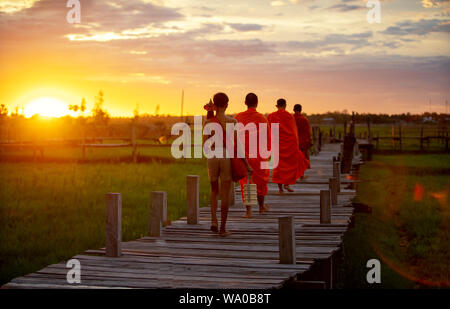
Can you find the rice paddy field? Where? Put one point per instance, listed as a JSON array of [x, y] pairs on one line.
[[52, 206], [51, 211]]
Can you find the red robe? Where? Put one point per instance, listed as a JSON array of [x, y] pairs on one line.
[[292, 162], [260, 176], [304, 134]]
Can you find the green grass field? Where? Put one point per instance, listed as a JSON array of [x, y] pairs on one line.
[[409, 228], [50, 212]]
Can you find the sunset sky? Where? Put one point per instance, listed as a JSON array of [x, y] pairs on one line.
[[322, 54]]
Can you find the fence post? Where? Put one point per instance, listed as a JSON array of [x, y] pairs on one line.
[[421, 138], [333, 190], [400, 135], [192, 199], [158, 213], [337, 174], [446, 141], [113, 224], [325, 209], [378, 140], [134, 144], [286, 236], [393, 137]]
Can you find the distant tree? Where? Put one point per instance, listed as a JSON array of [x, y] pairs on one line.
[[136, 112], [3, 111], [157, 110], [83, 105], [74, 108], [15, 113], [99, 115]]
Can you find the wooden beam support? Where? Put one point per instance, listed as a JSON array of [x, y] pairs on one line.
[[158, 213], [113, 224], [286, 236]]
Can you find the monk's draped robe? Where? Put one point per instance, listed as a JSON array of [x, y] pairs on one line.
[[260, 176], [304, 135], [292, 162]]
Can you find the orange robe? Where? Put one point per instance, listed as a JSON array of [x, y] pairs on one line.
[[304, 135], [260, 176], [292, 162]]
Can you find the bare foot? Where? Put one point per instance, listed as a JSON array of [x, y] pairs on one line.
[[214, 228], [224, 233], [288, 188], [264, 209], [247, 216], [281, 191]]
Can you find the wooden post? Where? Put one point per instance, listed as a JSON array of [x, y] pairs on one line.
[[421, 138], [325, 209], [320, 140], [333, 190], [369, 131], [345, 128], [400, 135], [337, 174], [378, 140], [158, 213], [192, 198], [133, 142], [286, 236], [393, 136], [113, 224], [446, 141]]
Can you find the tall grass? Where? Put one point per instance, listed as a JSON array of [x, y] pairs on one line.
[[50, 212], [409, 228]]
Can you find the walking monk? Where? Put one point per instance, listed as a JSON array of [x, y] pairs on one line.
[[260, 177], [219, 167], [292, 162], [303, 131]]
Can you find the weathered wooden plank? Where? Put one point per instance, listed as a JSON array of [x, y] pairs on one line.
[[158, 213], [113, 224], [287, 249]]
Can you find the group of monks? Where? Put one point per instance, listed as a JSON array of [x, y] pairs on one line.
[[292, 153], [294, 144]]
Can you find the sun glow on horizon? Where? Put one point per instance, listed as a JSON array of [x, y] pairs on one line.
[[47, 107]]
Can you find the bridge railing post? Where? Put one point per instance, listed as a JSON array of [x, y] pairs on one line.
[[286, 236], [333, 190], [192, 199], [337, 174], [158, 213], [113, 225]]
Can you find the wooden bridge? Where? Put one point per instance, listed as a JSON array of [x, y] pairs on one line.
[[191, 256]]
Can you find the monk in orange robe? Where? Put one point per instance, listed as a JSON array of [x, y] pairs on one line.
[[260, 176], [292, 163], [303, 131]]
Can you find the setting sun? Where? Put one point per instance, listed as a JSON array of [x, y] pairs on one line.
[[47, 107]]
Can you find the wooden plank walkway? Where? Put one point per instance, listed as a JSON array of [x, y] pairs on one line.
[[190, 256]]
